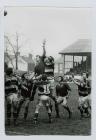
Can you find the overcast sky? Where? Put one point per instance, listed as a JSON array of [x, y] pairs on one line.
[[59, 26]]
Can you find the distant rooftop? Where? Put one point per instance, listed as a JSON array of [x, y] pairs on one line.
[[80, 47], [24, 59]]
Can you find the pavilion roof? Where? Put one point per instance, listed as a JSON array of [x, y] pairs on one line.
[[80, 48]]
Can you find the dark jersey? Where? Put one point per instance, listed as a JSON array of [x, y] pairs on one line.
[[11, 85], [40, 68], [62, 89], [26, 88], [82, 90]]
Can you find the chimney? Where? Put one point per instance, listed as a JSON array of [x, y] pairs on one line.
[[30, 56]]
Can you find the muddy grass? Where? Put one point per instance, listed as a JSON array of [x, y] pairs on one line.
[[61, 126]]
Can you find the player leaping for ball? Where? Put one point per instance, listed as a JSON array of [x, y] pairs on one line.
[[45, 65]]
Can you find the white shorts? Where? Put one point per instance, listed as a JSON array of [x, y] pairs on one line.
[[13, 98], [44, 100], [62, 100], [84, 101]]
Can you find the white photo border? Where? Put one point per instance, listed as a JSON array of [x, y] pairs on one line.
[[48, 3]]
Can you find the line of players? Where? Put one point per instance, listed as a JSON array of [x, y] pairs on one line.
[[19, 90]]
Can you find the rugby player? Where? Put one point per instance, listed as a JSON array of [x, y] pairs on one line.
[[45, 65], [84, 95], [25, 92], [62, 92], [43, 90], [12, 87], [39, 68]]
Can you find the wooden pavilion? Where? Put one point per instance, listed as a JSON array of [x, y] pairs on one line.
[[81, 48]]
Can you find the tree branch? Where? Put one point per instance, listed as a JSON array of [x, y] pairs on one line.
[[10, 44]]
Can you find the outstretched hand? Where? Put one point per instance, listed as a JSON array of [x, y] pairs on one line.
[[44, 43]]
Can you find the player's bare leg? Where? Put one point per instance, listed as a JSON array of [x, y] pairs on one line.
[[56, 104], [69, 111], [19, 107], [8, 113], [65, 105], [49, 113], [15, 115], [36, 113], [26, 109]]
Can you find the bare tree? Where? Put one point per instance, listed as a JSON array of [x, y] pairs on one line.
[[15, 48]]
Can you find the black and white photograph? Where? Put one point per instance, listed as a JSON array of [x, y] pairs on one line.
[[47, 70]]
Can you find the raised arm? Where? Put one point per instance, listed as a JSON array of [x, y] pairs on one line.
[[44, 50], [68, 87], [77, 83]]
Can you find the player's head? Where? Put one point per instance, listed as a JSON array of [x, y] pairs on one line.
[[82, 82], [60, 79], [44, 77], [9, 71], [49, 60], [37, 58], [84, 75]]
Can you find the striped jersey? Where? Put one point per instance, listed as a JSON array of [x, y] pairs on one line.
[[11, 84], [43, 87], [49, 70]]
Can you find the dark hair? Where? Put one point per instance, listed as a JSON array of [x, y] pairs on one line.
[[51, 58], [9, 71], [61, 78], [44, 77]]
